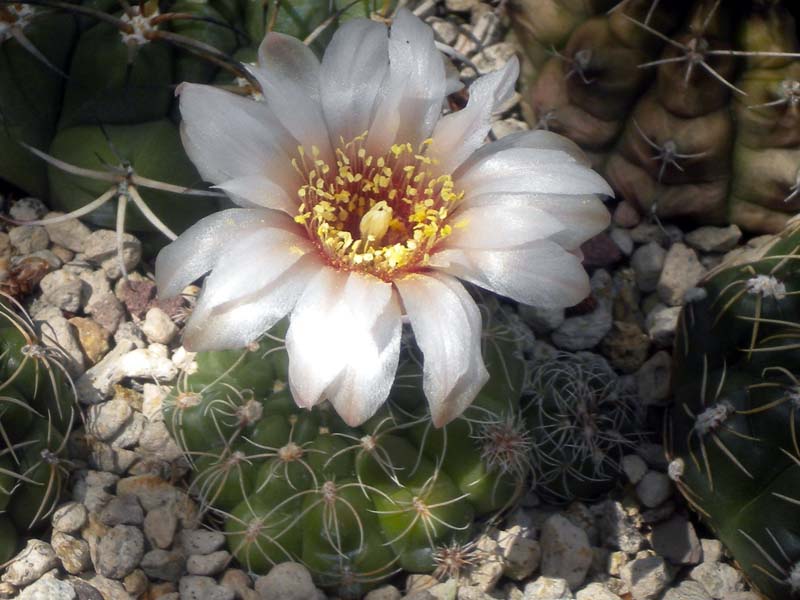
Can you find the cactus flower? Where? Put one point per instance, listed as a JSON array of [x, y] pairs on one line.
[[361, 207]]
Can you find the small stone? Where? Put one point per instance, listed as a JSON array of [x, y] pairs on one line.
[[208, 564], [682, 271], [158, 327], [600, 251], [69, 517], [647, 262], [653, 379], [71, 234], [661, 323], [616, 528], [419, 582], [719, 580], [596, 591], [93, 338], [157, 442], [713, 550], [101, 248], [36, 559], [622, 239], [107, 311], [147, 363], [287, 581], [95, 385], [152, 492], [28, 238], [49, 588], [28, 209], [445, 31], [494, 57], [73, 552], [460, 5], [119, 551], [130, 433], [239, 582], [113, 460], [654, 488], [201, 541], [646, 577], [136, 293], [105, 420], [194, 587], [687, 590], [56, 332], [160, 525], [634, 468], [547, 588], [503, 127], [583, 331], [521, 554], [386, 592], [541, 320], [677, 541], [626, 346], [164, 565], [625, 215], [109, 589], [136, 583], [566, 552], [714, 239]]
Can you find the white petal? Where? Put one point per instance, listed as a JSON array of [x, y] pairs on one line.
[[245, 320], [228, 136], [257, 191], [353, 68], [249, 264], [501, 226], [532, 170], [411, 96], [289, 75], [541, 273], [582, 217], [447, 328], [459, 134], [365, 383], [196, 250], [539, 138], [332, 329]]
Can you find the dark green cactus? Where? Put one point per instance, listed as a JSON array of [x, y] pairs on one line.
[[732, 435], [355, 505], [583, 420], [37, 406], [688, 107]]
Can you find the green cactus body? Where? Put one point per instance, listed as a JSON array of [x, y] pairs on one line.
[[672, 101], [732, 433], [389, 495], [36, 413]]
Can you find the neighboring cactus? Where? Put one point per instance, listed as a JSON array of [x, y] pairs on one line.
[[689, 108], [732, 435], [394, 494], [92, 85], [36, 413], [583, 419]]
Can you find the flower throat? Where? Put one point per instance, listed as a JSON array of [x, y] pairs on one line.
[[381, 215]]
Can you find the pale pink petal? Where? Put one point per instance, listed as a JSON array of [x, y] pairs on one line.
[[447, 328], [410, 100], [227, 136], [459, 134], [257, 191], [546, 140], [365, 382], [540, 273], [341, 320], [197, 249], [237, 323], [289, 73], [532, 170], [501, 226], [582, 216], [353, 68]]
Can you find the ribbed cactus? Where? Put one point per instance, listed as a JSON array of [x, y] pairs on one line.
[[37, 405], [354, 505], [583, 419], [93, 83], [732, 435], [689, 108]]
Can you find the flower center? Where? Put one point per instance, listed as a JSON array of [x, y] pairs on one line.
[[378, 214]]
